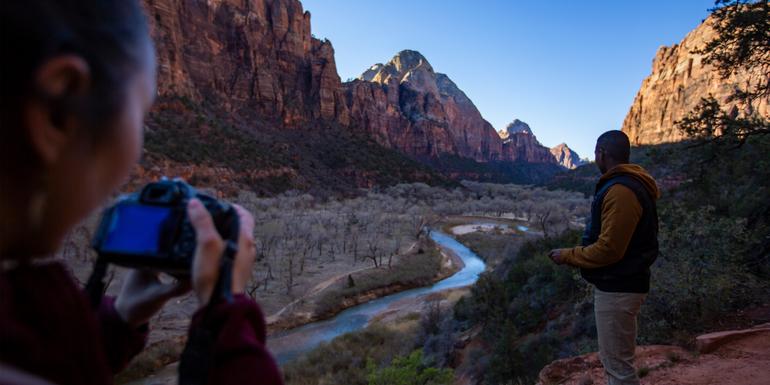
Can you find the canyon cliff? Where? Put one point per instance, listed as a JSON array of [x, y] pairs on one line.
[[678, 82], [521, 145], [250, 73], [256, 58], [566, 156], [406, 105]]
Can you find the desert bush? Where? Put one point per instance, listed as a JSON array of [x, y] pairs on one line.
[[492, 248], [438, 333], [693, 286], [408, 370], [529, 309], [349, 359]]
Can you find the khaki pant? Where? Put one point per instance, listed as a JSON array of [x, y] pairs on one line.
[[616, 327]]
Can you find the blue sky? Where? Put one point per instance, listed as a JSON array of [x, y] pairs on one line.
[[570, 69]]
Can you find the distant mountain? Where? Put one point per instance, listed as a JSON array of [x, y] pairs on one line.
[[678, 81], [517, 126], [521, 145], [406, 105], [246, 91], [566, 157]]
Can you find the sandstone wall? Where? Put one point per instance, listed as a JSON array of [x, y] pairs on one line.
[[676, 85], [254, 57]]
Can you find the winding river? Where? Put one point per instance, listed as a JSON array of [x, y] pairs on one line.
[[287, 345]]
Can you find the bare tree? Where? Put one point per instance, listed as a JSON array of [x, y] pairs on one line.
[[373, 248]]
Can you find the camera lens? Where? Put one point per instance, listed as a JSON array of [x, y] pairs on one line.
[[160, 193]]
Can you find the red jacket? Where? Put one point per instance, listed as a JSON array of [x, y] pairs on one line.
[[48, 328]]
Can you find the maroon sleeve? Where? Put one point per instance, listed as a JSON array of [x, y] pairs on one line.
[[121, 342], [239, 353]]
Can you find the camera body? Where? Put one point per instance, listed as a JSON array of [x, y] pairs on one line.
[[150, 229]]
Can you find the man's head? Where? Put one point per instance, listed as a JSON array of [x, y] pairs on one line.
[[612, 149]]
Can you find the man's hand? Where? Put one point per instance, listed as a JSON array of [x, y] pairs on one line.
[[557, 257]]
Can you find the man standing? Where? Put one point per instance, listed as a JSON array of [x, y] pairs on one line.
[[619, 245]]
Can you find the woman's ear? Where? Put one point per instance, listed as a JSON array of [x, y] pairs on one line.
[[50, 116]]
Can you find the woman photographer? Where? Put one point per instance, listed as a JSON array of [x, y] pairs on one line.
[[78, 77]]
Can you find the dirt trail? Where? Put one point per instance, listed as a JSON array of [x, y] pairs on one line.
[[275, 317], [740, 357]]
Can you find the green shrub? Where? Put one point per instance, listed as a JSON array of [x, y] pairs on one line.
[[347, 359], [700, 275], [408, 370], [532, 312]]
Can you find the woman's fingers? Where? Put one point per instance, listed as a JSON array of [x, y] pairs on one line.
[[210, 247], [208, 252], [177, 288], [143, 294], [244, 260]]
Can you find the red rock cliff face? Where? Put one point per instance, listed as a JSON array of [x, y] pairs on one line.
[[255, 58], [566, 156], [678, 81], [521, 145], [405, 104]]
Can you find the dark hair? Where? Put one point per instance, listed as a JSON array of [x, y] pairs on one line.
[[110, 35], [616, 144]]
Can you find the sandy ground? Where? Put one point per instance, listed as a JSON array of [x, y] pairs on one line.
[[484, 227]]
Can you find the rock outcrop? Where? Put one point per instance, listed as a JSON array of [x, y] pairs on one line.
[[739, 358], [406, 105], [678, 81], [566, 156], [255, 58], [521, 145]]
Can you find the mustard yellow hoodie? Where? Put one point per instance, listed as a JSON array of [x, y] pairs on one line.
[[621, 212]]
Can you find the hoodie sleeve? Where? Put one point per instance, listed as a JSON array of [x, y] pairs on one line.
[[121, 342], [239, 352], [621, 212]]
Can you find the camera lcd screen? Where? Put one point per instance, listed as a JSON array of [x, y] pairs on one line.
[[139, 229]]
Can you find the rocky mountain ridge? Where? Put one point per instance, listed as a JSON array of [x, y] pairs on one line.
[[256, 64], [566, 156], [678, 82], [406, 105]]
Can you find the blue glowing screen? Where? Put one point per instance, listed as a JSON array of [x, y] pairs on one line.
[[137, 229]]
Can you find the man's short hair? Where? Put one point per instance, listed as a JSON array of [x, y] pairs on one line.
[[615, 144]]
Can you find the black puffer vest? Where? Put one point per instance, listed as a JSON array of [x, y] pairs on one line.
[[632, 273]]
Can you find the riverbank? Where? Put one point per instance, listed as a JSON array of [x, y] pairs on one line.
[[301, 311], [289, 345], [447, 277], [335, 295]]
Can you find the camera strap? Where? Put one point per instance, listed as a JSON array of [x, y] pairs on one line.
[[223, 289], [95, 285], [196, 359]]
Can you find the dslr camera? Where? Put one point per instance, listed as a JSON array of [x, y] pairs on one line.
[[150, 229]]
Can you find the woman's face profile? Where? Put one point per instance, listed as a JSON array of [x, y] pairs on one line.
[[81, 170]]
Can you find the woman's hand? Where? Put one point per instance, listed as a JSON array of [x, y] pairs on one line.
[[143, 294], [208, 252]]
